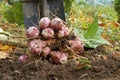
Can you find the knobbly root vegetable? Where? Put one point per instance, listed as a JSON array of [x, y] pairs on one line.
[[23, 58], [36, 50], [55, 39], [76, 45], [48, 33], [62, 33], [36, 46], [58, 57], [33, 32], [46, 51], [44, 23], [56, 24]]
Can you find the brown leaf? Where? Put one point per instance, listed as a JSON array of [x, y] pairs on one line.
[[116, 55], [3, 55], [116, 24]]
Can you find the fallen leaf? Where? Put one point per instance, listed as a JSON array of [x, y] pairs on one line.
[[116, 55], [16, 71], [5, 48], [3, 55], [116, 24], [102, 24]]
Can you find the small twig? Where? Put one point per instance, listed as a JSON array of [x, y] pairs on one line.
[[83, 76], [78, 56], [74, 54], [37, 61], [38, 8], [7, 34], [51, 69], [32, 38], [71, 31], [33, 23], [53, 14], [26, 65]]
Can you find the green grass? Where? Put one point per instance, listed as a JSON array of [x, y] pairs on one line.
[[12, 13]]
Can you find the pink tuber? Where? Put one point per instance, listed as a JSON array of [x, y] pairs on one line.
[[62, 33], [23, 58], [37, 45], [48, 33], [46, 51], [33, 32], [58, 57], [44, 22], [56, 24], [76, 45]]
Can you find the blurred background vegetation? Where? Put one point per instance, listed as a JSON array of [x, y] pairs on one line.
[[12, 12], [79, 14], [117, 8], [12, 9]]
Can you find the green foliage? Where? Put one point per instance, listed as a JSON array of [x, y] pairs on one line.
[[4, 7], [14, 1], [117, 8], [117, 5], [92, 29], [114, 34], [107, 13], [67, 5], [14, 14], [93, 37], [85, 62], [81, 16]]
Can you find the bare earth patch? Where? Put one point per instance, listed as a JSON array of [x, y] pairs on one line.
[[105, 66]]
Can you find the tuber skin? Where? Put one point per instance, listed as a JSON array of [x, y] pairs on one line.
[[56, 24], [36, 50], [33, 32], [36, 46], [53, 35], [44, 23], [62, 33], [46, 51], [76, 45], [48, 33], [23, 58], [58, 57]]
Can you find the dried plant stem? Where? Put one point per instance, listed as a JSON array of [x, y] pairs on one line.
[[13, 42]]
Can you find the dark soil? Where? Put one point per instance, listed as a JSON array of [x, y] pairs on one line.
[[105, 65]]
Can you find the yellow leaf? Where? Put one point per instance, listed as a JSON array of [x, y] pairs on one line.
[[5, 48]]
